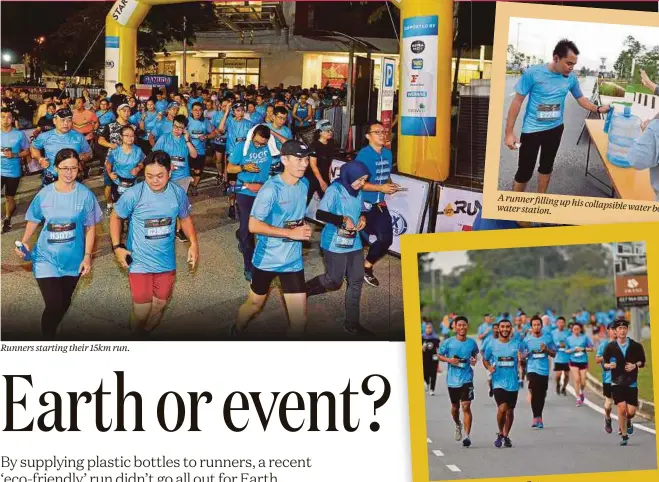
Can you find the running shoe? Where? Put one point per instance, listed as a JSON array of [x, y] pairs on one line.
[[507, 442], [370, 278], [432, 393], [582, 397], [540, 424], [579, 402], [6, 226], [232, 212], [248, 276], [624, 441], [630, 427], [466, 442], [564, 392], [458, 432], [607, 425], [499, 441], [534, 424]]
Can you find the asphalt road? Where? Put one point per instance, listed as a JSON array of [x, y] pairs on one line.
[[204, 304], [568, 176], [573, 440]]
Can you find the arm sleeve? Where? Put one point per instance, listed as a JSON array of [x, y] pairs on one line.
[[93, 214], [575, 88], [237, 155], [34, 213], [264, 202], [126, 204], [443, 348], [327, 217], [525, 83], [183, 205], [644, 153], [641, 353]]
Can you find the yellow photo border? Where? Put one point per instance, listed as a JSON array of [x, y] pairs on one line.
[[560, 215], [414, 244]]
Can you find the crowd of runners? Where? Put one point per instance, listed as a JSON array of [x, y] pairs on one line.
[[153, 154], [517, 349]]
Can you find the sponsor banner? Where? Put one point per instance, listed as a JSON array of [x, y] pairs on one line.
[[19, 69], [334, 73], [144, 91], [387, 85], [111, 62], [419, 76], [630, 274], [405, 207], [457, 209], [632, 286], [159, 80], [122, 10]]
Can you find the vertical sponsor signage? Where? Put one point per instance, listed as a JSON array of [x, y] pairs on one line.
[[419, 76], [386, 114], [111, 62]]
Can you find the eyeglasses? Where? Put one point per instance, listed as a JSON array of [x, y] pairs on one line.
[[281, 117], [67, 169], [178, 126], [379, 133], [259, 144]]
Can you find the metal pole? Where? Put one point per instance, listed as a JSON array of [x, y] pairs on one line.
[[185, 52], [351, 63], [432, 285], [637, 326], [370, 87]]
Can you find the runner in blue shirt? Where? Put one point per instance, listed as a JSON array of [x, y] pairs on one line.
[[194, 99], [485, 329], [251, 162], [124, 163], [562, 359], [379, 160], [577, 346], [501, 359], [302, 113], [104, 114], [219, 144], [486, 343], [200, 130], [54, 141], [341, 210], [277, 220], [147, 121], [149, 256], [180, 148], [15, 149], [255, 116], [161, 103], [537, 347], [69, 213], [164, 125], [547, 87], [606, 376], [278, 127], [460, 353]]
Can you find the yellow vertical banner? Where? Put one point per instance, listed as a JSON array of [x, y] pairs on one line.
[[424, 114]]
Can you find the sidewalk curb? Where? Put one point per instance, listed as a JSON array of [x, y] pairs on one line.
[[645, 408]]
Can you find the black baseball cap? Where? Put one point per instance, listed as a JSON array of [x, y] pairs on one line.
[[63, 113], [237, 105], [620, 322], [295, 148]]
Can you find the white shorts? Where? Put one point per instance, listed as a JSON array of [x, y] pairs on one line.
[[184, 183]]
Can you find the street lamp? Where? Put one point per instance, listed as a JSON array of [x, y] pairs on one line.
[[6, 57]]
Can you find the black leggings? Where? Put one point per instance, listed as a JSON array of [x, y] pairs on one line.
[[538, 386], [378, 222], [430, 373], [57, 293], [545, 142]]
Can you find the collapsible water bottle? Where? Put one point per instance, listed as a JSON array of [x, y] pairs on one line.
[[624, 129], [21, 246]]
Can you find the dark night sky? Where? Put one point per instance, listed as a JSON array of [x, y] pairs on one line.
[[22, 21]]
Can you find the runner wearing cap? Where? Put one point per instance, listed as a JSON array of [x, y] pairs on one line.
[[624, 357], [54, 141], [180, 149], [200, 130], [325, 151], [236, 129], [379, 160], [606, 376], [577, 346], [501, 359], [536, 348], [251, 162], [547, 87], [164, 126], [277, 220], [341, 243], [111, 138], [15, 151], [69, 213], [562, 359], [149, 254], [460, 353]]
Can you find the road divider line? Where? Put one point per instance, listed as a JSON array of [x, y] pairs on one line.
[[600, 410], [453, 468], [429, 441], [438, 453]]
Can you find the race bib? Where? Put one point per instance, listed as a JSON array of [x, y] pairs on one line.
[[292, 225], [345, 238], [549, 112], [241, 139], [539, 355], [506, 361], [366, 206], [561, 349], [61, 233], [435, 358], [178, 161], [579, 353], [196, 135], [158, 228]]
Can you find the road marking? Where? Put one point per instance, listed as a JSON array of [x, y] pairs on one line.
[[453, 468], [438, 453], [429, 441], [600, 410]]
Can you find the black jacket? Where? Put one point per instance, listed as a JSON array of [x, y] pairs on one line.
[[635, 354]]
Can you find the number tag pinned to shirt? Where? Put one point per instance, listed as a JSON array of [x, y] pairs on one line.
[[579, 353], [61, 232], [158, 228], [345, 238], [539, 355], [549, 112], [506, 361]]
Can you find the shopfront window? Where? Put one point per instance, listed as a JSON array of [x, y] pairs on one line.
[[235, 71]]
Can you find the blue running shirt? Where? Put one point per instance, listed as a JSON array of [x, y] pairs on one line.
[[575, 341], [559, 337], [123, 163], [178, 151], [52, 142], [606, 374], [379, 168], [16, 141], [198, 128], [258, 155], [505, 359], [462, 373], [338, 201], [537, 361]]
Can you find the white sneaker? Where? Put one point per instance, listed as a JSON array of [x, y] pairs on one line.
[[426, 385], [458, 432], [432, 393]]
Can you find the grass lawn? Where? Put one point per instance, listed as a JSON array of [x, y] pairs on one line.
[[646, 390], [638, 88]]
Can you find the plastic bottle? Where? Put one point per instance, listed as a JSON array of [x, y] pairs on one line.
[[624, 129], [21, 246]]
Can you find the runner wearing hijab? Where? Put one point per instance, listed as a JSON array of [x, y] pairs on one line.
[[430, 345]]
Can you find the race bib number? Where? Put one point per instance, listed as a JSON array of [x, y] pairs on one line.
[[292, 225], [196, 135], [241, 139], [158, 228], [61, 233], [579, 353], [561, 349], [178, 161], [345, 238], [549, 112], [539, 355], [123, 185], [505, 361]]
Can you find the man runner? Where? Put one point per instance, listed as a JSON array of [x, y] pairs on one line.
[[460, 353], [200, 130], [15, 150], [547, 87], [624, 358], [501, 359], [562, 359], [537, 347], [606, 377], [488, 340]]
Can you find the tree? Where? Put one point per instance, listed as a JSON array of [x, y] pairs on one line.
[[649, 62], [632, 49]]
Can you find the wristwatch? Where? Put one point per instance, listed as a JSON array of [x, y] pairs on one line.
[[120, 245]]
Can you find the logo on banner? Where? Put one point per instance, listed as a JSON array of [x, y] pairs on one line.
[[414, 78], [398, 223], [417, 64], [109, 64], [388, 75], [632, 284], [417, 93], [418, 46], [461, 207]]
